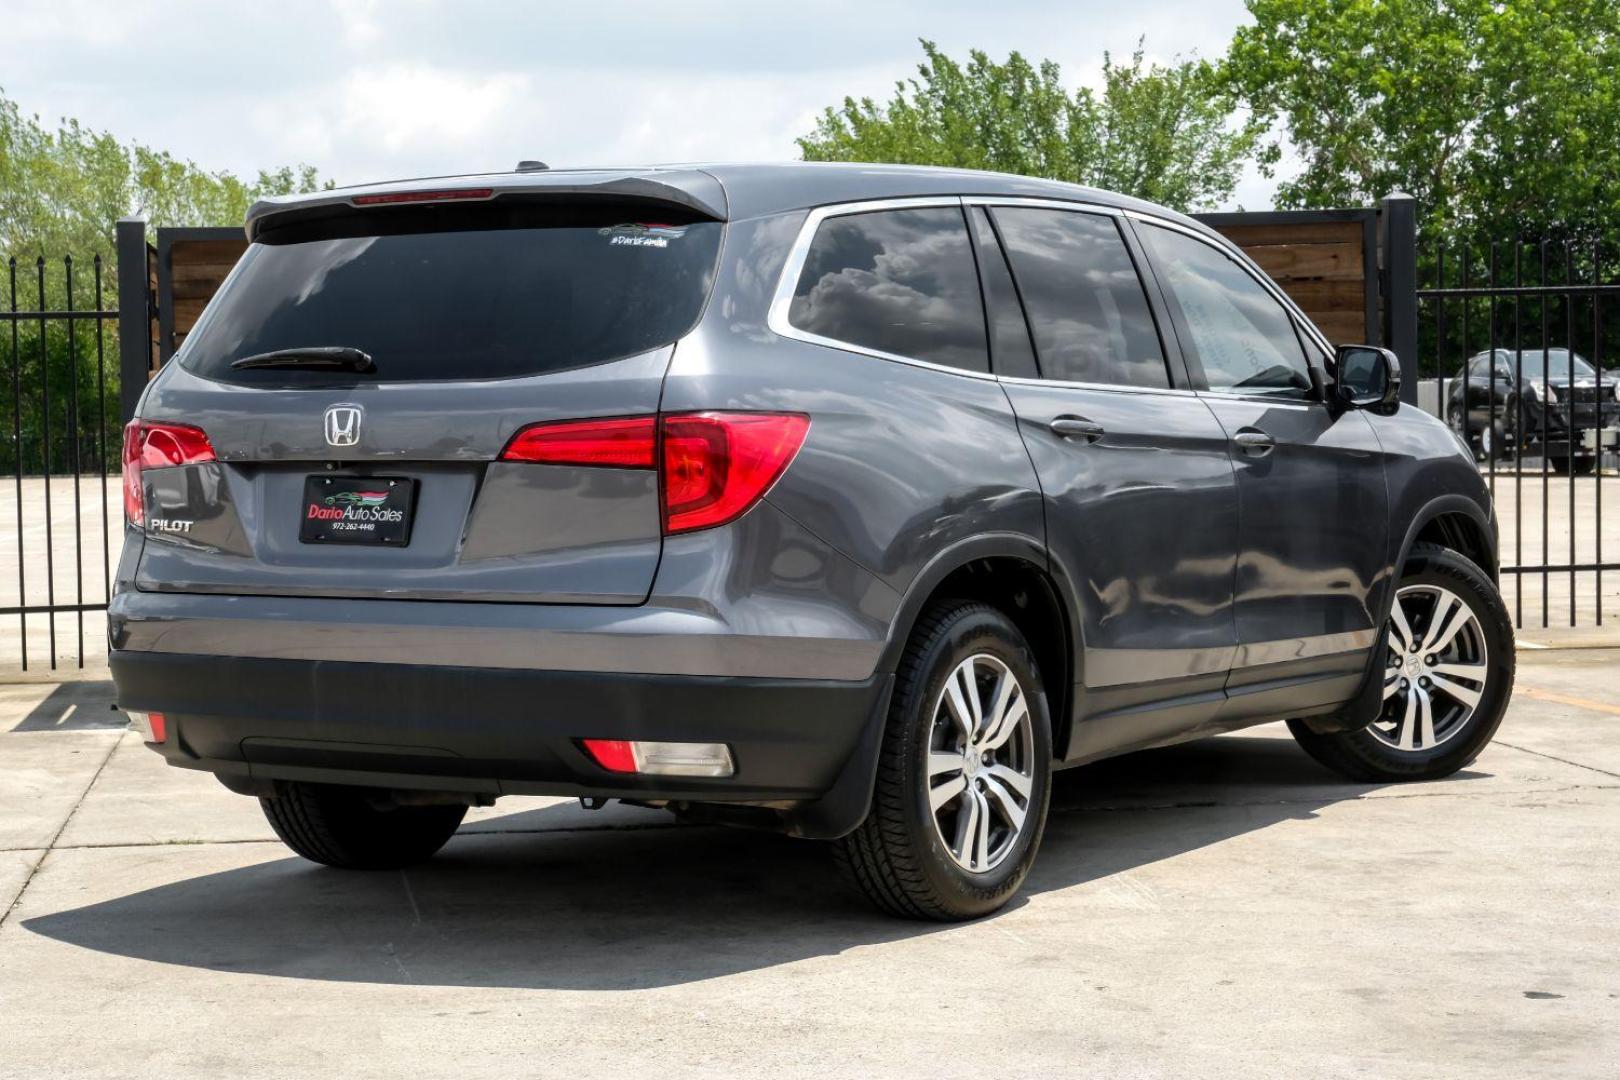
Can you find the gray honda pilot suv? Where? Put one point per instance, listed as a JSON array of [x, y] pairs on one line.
[[845, 500]]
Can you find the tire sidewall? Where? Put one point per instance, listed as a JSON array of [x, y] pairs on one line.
[[1451, 571], [977, 630]]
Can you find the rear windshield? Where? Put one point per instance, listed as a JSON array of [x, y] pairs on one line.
[[472, 303]]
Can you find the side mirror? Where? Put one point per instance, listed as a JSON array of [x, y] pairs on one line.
[[1368, 378]]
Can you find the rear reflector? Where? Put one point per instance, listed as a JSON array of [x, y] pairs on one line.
[[441, 195], [149, 445], [718, 464], [153, 726], [661, 758], [621, 443]]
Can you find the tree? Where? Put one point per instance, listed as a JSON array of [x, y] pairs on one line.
[[1500, 116], [1160, 133], [61, 191]]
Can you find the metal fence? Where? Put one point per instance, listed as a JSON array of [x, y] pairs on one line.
[[1518, 333], [60, 410], [71, 381]]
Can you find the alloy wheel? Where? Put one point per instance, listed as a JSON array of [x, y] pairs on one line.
[[1435, 670], [981, 767]]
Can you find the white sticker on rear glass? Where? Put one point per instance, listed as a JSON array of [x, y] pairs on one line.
[[641, 234]]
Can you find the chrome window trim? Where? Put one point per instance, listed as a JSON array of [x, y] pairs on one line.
[[1035, 203], [777, 318], [1111, 388]]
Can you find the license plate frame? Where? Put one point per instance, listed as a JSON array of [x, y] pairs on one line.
[[371, 511]]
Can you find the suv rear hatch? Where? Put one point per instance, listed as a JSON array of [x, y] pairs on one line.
[[402, 346]]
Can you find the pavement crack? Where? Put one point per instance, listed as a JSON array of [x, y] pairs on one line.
[[1555, 757], [50, 846], [1207, 804]]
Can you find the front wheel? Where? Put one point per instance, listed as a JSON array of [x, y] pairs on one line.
[[964, 774], [1447, 671]]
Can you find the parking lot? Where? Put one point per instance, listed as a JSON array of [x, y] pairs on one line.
[[1224, 908]]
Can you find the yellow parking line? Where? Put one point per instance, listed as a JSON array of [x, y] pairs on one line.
[[1567, 699]]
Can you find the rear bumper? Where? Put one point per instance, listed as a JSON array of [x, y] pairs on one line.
[[807, 746]]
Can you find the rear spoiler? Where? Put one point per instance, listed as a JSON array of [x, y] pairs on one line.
[[691, 191]]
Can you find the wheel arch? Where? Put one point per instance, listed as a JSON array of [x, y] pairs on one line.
[[1013, 573], [1453, 521]]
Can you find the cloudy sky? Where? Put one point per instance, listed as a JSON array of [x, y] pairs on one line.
[[370, 89]]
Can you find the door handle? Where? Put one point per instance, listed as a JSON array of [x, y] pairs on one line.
[[1077, 427], [1254, 442]]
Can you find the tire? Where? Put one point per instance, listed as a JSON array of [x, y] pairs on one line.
[[1371, 755], [342, 827], [1581, 466], [899, 856]]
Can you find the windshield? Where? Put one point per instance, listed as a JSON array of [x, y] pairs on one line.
[[464, 304], [1557, 364]]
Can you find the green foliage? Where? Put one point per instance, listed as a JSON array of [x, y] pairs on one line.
[[61, 192], [1160, 133], [65, 188], [1500, 116]]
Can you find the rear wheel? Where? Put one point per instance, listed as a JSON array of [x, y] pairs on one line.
[[964, 774], [1447, 671], [349, 828]]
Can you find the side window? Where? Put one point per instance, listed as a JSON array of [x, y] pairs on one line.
[[1241, 336], [897, 281], [1087, 309], [1010, 350]]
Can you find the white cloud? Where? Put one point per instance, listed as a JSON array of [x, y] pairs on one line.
[[372, 89]]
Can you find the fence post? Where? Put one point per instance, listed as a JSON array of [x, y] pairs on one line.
[[134, 319], [1397, 223]]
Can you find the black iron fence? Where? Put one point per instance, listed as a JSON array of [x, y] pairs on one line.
[[1544, 425], [60, 409], [1517, 335]]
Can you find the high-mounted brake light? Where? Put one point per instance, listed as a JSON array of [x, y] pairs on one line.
[[715, 465], [624, 443], [443, 195], [150, 445], [718, 464]]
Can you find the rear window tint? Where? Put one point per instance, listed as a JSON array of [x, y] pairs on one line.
[[895, 281], [464, 304], [1087, 308]]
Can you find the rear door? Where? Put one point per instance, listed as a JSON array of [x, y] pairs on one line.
[[1312, 501], [480, 321], [1140, 504]]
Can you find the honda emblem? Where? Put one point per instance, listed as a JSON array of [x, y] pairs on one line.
[[343, 425]]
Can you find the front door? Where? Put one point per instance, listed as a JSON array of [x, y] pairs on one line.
[[1138, 485], [1312, 503]]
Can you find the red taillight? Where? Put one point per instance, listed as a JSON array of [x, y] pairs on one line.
[[157, 446], [442, 195], [718, 464], [715, 464], [614, 755], [625, 443]]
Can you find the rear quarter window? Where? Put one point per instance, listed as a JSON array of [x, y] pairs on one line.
[[463, 303], [901, 282]]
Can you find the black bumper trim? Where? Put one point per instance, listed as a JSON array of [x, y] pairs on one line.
[[498, 731]]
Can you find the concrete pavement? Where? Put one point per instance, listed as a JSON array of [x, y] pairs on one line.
[[1224, 908]]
